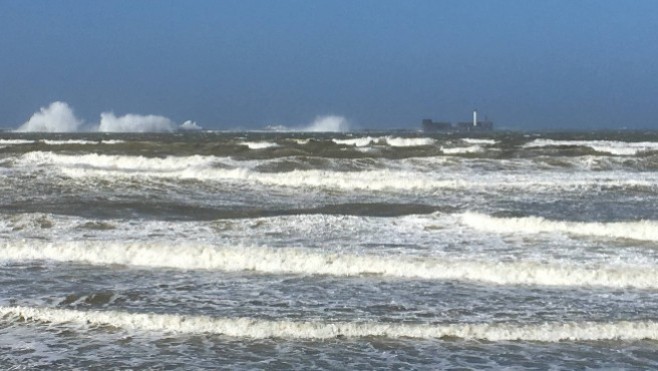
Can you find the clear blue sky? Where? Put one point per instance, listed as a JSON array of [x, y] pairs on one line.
[[380, 63]]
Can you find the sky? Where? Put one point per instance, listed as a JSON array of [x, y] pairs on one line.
[[380, 64]]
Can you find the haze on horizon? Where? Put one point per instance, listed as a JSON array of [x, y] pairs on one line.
[[379, 64]]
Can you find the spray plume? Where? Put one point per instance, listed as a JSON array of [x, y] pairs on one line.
[[58, 117]]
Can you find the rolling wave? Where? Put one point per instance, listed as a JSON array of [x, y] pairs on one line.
[[605, 146], [409, 142], [480, 141], [357, 142], [13, 142], [259, 145], [387, 140], [116, 164], [462, 150], [313, 262], [81, 142], [645, 230], [4, 143], [262, 328], [211, 168]]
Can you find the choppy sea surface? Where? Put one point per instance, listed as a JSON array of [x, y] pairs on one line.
[[329, 251]]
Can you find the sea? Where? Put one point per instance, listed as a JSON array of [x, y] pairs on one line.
[[296, 251]]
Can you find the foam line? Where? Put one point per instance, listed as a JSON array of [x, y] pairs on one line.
[[259, 145], [645, 230], [605, 146], [12, 142], [318, 262], [389, 140], [82, 142], [115, 164], [205, 168], [462, 150], [357, 142], [479, 141], [51, 142], [260, 328], [409, 142]]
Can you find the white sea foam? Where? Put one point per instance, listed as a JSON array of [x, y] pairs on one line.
[[388, 140], [190, 125], [125, 164], [81, 142], [462, 150], [245, 327], [604, 146], [13, 142], [52, 142], [204, 168], [9, 143], [259, 145], [645, 230], [480, 141], [409, 142], [312, 262], [132, 123], [57, 117], [356, 142]]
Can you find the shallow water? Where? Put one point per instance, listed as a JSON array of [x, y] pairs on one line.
[[292, 251]]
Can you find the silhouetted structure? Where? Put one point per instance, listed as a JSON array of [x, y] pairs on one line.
[[433, 126]]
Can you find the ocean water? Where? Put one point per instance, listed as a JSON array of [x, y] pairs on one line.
[[329, 251]]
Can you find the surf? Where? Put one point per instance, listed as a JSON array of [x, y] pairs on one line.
[[256, 328], [643, 230], [304, 261]]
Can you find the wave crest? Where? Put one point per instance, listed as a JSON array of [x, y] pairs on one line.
[[262, 328], [310, 262], [604, 146], [645, 230]]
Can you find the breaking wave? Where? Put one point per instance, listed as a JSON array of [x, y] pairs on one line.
[[646, 230], [132, 123], [190, 125], [321, 124], [4, 143], [391, 141], [81, 142], [259, 145], [246, 327], [329, 123], [480, 141], [409, 142], [126, 164], [58, 117], [462, 150], [311, 262], [604, 146], [208, 168], [357, 142]]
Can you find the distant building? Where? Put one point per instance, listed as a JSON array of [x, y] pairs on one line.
[[430, 126]]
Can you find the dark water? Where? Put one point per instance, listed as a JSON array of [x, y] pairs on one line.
[[358, 251]]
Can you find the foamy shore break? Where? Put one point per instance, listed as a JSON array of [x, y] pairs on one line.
[[261, 328]]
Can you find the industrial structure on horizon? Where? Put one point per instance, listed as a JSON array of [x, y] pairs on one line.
[[430, 126]]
